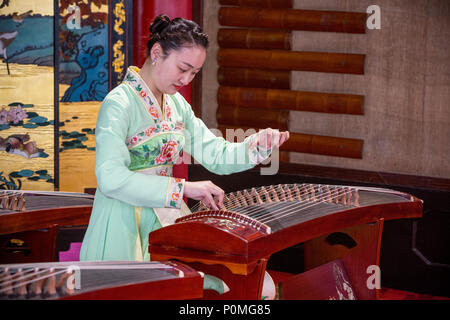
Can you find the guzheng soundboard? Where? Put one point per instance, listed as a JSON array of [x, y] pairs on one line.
[[99, 280], [31, 210], [260, 221], [257, 222]]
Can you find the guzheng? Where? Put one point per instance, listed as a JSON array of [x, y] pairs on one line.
[[31, 210], [100, 280], [257, 222]]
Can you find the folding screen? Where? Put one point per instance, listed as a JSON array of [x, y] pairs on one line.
[[60, 59], [27, 104]]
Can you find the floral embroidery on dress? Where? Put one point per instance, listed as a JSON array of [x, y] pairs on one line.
[[175, 193], [129, 77], [149, 131], [153, 112], [158, 147], [164, 171], [168, 111], [163, 126], [168, 153], [133, 80], [256, 152], [164, 149]]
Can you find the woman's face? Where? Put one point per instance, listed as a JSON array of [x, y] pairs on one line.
[[178, 68]]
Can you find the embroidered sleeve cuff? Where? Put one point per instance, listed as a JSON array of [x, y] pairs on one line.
[[175, 192], [256, 152]]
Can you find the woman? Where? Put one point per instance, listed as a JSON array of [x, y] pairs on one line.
[[142, 127]]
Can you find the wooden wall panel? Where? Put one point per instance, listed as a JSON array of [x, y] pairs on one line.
[[405, 86], [255, 65]]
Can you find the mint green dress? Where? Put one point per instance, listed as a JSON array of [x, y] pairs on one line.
[[137, 144]]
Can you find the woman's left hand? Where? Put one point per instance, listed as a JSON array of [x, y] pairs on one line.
[[272, 138]]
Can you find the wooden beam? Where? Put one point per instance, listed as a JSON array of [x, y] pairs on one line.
[[294, 19], [292, 60], [252, 117], [258, 3], [291, 100], [254, 39], [315, 144], [257, 78]]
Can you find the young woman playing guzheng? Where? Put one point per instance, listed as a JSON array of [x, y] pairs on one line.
[[142, 127]]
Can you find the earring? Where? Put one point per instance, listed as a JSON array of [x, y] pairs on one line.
[[154, 62]]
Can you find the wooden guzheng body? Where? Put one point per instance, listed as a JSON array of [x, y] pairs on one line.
[[30, 222], [34, 219], [31, 210], [335, 223], [100, 280]]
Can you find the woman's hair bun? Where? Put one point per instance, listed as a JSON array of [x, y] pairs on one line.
[[174, 34], [160, 23]]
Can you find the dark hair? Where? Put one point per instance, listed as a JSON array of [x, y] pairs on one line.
[[174, 34]]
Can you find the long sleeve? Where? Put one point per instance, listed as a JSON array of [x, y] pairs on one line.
[[215, 153], [112, 159]]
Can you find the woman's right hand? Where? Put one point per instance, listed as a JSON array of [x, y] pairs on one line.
[[205, 191]]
